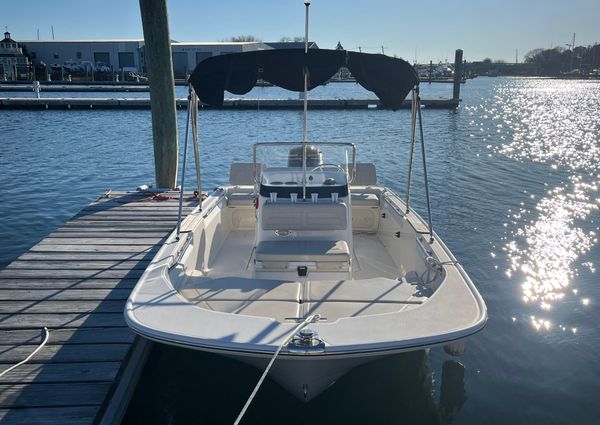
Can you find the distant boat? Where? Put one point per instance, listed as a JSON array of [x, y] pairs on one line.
[[304, 259]]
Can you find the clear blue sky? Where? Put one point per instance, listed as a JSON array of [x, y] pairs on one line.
[[433, 28]]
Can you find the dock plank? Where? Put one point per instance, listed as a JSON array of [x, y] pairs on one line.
[[63, 294], [80, 415], [48, 395], [79, 265], [64, 306], [73, 274], [76, 282], [65, 353], [88, 283], [45, 373], [88, 256], [122, 335], [61, 320]]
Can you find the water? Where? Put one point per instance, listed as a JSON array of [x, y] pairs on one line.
[[514, 179]]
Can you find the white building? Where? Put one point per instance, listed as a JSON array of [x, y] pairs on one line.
[[117, 54], [12, 60]]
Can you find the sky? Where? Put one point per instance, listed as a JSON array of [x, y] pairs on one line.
[[425, 30]]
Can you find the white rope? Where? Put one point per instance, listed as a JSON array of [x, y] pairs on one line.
[[310, 319], [47, 335]]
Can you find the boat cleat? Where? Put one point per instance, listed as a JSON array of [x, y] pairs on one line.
[[306, 341]]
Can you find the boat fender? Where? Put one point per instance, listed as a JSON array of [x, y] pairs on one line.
[[456, 348]]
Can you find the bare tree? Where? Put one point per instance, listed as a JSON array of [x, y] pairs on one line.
[[242, 38]]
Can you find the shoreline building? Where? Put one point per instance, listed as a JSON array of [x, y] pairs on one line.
[[13, 62], [129, 54]]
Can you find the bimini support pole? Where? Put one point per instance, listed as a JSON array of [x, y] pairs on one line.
[[424, 166], [185, 149], [305, 129], [412, 146], [194, 121]]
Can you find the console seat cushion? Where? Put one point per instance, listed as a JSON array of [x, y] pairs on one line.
[[364, 200], [302, 250], [244, 199]]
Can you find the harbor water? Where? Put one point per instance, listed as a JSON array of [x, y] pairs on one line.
[[514, 180]]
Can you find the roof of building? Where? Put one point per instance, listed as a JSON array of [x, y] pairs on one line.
[[7, 38], [213, 43], [116, 40]]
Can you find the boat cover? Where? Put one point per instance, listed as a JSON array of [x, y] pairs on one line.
[[391, 79]]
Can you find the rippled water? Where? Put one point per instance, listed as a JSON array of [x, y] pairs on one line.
[[514, 181]]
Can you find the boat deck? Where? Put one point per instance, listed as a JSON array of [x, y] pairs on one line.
[[376, 288], [76, 282]]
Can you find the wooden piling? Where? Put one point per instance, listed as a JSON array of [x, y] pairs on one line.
[[162, 90], [458, 66]]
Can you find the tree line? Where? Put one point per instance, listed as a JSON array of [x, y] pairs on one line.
[[582, 59]]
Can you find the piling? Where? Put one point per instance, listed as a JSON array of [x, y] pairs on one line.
[[162, 90], [458, 66]]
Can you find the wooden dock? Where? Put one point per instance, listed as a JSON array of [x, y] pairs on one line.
[[76, 282], [235, 104]]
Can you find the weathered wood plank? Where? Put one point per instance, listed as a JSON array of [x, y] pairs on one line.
[[139, 208], [126, 218], [85, 233], [70, 274], [61, 320], [33, 283], [89, 256], [63, 294], [64, 353], [133, 225], [63, 372], [65, 306], [78, 265], [91, 248], [100, 241], [80, 415], [48, 395], [116, 212], [122, 335], [140, 230]]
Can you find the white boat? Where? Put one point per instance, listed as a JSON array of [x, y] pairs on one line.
[[304, 258]]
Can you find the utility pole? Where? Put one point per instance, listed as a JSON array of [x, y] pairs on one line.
[[162, 90]]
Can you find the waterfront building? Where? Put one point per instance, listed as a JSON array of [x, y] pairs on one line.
[[128, 55], [13, 63]]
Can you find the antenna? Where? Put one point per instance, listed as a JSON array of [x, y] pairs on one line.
[[52, 31], [38, 34], [307, 4]]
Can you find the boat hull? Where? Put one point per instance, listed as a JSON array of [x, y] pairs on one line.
[[306, 377]]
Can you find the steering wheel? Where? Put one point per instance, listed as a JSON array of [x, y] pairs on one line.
[[321, 166]]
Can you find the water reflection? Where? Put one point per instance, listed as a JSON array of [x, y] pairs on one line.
[[187, 386], [549, 122]]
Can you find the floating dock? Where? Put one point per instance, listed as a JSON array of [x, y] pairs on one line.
[[75, 282], [75, 88], [240, 103]]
